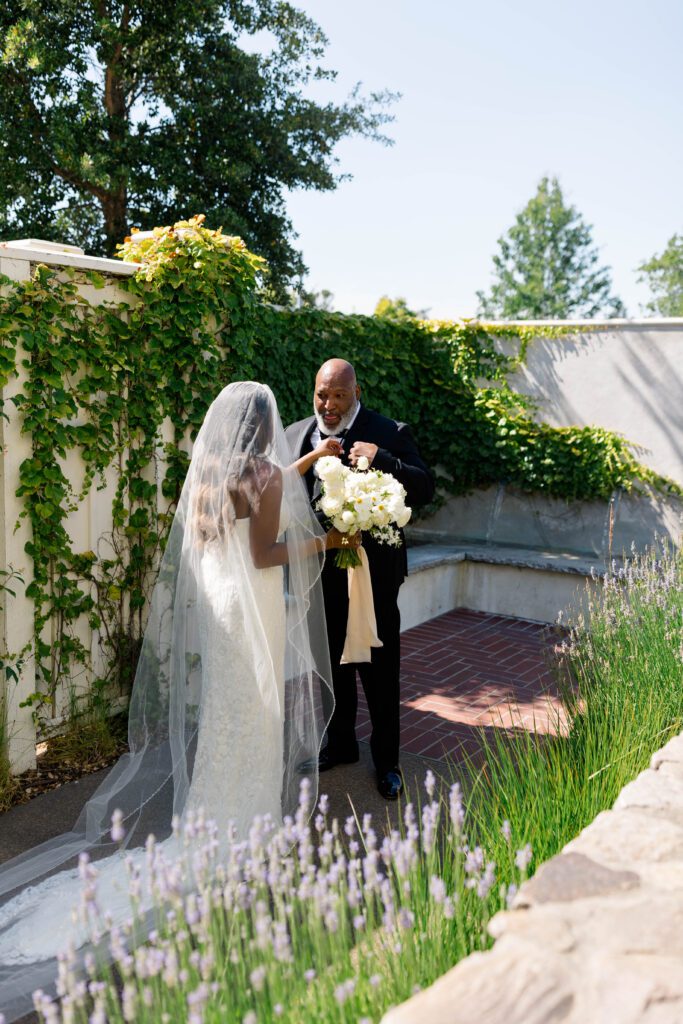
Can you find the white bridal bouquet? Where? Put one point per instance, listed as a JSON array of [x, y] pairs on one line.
[[361, 499]]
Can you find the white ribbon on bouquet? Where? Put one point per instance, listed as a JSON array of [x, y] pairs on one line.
[[361, 625]]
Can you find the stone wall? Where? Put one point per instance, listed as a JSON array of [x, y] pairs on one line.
[[596, 936]]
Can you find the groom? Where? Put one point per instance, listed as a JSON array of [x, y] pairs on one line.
[[388, 446]]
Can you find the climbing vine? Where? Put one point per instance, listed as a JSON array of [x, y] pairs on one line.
[[126, 386]]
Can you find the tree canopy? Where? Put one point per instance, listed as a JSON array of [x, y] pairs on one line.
[[664, 275], [116, 113], [547, 266], [398, 309]]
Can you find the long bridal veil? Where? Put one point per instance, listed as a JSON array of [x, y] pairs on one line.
[[230, 695]]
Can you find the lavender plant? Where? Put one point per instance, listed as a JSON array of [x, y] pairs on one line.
[[316, 920]]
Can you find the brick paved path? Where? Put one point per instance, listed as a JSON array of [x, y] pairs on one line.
[[464, 670]]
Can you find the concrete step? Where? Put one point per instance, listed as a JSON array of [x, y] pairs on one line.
[[494, 578]]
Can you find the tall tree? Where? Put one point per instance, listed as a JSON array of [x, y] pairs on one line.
[[398, 309], [140, 112], [547, 266], [664, 275]]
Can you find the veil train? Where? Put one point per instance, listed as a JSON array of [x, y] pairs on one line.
[[230, 696]]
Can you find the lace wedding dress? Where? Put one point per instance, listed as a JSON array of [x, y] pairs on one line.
[[226, 705], [238, 766]]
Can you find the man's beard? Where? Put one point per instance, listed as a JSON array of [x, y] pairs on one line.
[[343, 422]]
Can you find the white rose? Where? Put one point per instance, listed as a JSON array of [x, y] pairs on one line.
[[403, 517], [330, 506], [363, 463], [329, 467]]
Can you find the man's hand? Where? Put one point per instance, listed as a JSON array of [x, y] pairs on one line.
[[360, 448]]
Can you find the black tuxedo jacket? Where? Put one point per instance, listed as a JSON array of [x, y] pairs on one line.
[[397, 453]]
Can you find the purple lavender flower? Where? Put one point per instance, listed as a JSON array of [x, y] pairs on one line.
[[474, 861], [456, 808], [117, 830], [345, 990], [258, 978], [437, 889], [486, 881], [522, 858], [406, 918], [430, 783]]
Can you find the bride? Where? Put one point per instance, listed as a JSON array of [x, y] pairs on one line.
[[230, 694]]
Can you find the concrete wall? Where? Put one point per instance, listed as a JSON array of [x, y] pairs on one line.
[[628, 378]]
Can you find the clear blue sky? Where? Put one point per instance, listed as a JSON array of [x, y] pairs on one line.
[[496, 94]]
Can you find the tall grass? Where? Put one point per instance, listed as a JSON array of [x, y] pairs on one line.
[[622, 692], [334, 923]]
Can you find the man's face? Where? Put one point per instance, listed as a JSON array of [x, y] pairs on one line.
[[335, 397]]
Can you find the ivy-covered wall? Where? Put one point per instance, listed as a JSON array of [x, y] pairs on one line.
[[125, 385]]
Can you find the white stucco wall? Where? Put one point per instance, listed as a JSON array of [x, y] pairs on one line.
[[628, 378], [86, 525]]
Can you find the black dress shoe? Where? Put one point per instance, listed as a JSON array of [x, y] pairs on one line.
[[390, 784], [325, 762]]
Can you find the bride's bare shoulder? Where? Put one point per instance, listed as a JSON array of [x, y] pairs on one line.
[[266, 474]]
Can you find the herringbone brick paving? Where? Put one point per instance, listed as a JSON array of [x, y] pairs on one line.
[[465, 670]]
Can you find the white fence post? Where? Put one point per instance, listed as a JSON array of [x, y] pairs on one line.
[[18, 611]]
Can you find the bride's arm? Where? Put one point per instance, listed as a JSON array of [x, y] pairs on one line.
[[330, 446], [264, 525]]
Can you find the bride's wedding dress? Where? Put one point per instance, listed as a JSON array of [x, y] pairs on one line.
[[239, 761], [226, 703]]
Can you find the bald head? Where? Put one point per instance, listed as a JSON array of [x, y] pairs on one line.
[[337, 371], [336, 396]]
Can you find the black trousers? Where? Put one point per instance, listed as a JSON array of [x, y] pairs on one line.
[[380, 677]]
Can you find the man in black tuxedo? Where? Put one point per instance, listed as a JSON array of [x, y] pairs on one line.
[[389, 446]]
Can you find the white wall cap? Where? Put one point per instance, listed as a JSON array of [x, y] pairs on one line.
[[44, 246], [587, 325], [64, 256]]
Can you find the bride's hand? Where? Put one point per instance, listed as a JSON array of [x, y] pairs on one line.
[[336, 539], [328, 446]]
